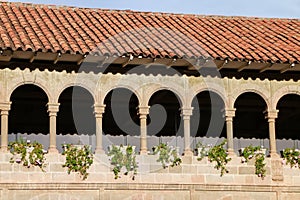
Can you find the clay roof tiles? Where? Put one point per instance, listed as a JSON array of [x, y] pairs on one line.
[[32, 27]]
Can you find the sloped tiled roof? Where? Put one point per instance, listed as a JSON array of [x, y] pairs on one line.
[[45, 28]]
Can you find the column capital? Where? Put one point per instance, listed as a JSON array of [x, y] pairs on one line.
[[143, 110], [229, 112], [99, 108], [271, 114], [5, 106], [53, 107], [186, 111]]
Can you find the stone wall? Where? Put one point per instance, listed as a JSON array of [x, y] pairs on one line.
[[193, 179]]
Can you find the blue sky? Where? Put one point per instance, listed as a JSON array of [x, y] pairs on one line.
[[258, 8]]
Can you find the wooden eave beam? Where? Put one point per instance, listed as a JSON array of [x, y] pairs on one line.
[[268, 66], [225, 62], [287, 68], [244, 66]]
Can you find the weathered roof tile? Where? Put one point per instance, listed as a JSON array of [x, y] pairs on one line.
[[32, 27]]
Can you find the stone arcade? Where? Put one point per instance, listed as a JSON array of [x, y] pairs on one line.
[[250, 66]]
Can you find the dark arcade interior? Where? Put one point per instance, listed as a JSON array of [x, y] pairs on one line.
[[29, 114]]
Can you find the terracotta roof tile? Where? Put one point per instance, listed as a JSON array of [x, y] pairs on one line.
[[32, 27]]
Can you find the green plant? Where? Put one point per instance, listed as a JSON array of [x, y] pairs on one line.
[[220, 156], [291, 156], [78, 158], [27, 153], [168, 155], [202, 150], [256, 152], [123, 156]]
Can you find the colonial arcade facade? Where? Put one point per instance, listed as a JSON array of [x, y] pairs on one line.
[[68, 71], [185, 88]]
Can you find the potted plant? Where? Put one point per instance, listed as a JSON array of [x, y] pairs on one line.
[[123, 157], [27, 153], [167, 155], [78, 158], [258, 153]]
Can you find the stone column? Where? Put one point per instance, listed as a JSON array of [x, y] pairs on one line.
[[4, 107], [271, 115], [229, 114], [98, 112], [143, 112], [53, 109], [186, 115]]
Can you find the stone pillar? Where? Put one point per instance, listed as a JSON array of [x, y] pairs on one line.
[[98, 112], [53, 109], [186, 115], [143, 112], [229, 114], [271, 115], [4, 107]]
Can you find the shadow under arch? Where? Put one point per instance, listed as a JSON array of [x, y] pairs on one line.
[[164, 115], [28, 112], [75, 114], [249, 120], [287, 123], [207, 119], [120, 116]]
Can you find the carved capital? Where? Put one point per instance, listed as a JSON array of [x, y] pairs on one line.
[[143, 110], [271, 114], [99, 109], [229, 112], [187, 111], [53, 108], [5, 106]]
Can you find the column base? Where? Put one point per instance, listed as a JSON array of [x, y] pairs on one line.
[[52, 150], [99, 151], [188, 152], [274, 155], [144, 152], [4, 150], [231, 153]]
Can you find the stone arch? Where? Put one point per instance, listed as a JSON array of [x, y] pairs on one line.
[[76, 111], [287, 121], [249, 120], [216, 90], [282, 92], [40, 85], [155, 88], [164, 114], [73, 84], [254, 89], [105, 92], [28, 112]]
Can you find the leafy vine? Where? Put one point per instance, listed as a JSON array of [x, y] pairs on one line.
[[219, 155], [123, 156], [257, 153], [291, 156], [78, 159], [27, 153], [202, 150], [168, 155]]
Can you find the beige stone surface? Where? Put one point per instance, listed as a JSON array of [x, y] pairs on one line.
[[234, 195], [52, 195], [146, 195]]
